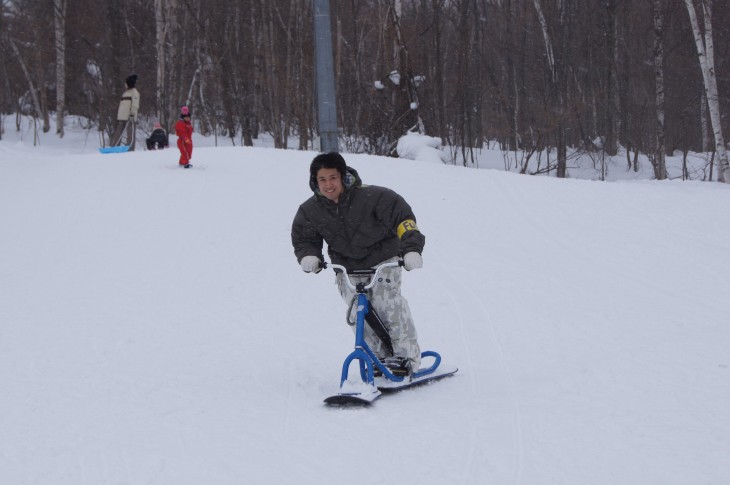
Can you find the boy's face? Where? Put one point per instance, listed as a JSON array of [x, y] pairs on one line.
[[329, 182]]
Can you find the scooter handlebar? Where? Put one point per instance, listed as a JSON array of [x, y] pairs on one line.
[[363, 272]]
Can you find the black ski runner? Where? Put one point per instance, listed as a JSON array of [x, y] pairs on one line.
[[388, 386], [365, 397]]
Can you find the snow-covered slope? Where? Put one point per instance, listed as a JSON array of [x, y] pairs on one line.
[[155, 327]]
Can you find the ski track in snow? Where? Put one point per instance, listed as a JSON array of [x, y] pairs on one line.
[[482, 315]]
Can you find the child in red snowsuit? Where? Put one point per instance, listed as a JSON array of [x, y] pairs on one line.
[[184, 132]]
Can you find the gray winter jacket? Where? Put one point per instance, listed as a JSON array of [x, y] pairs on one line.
[[368, 225]]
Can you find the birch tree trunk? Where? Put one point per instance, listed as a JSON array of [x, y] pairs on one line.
[[28, 77], [659, 161], [273, 82], [612, 106], [163, 24], [160, 34], [2, 63], [258, 72], [59, 17], [513, 140], [559, 78], [439, 69], [401, 59], [706, 53], [704, 129], [546, 37]]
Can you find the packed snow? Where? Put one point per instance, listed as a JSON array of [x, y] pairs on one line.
[[155, 326]]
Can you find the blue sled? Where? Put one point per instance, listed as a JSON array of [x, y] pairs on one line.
[[117, 149]]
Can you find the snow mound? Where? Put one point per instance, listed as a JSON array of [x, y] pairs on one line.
[[415, 146]]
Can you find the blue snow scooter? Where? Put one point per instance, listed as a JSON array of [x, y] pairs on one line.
[[370, 387]]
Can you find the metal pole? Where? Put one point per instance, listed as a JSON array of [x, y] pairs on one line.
[[325, 77]]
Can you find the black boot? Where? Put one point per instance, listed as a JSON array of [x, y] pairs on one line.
[[398, 366]]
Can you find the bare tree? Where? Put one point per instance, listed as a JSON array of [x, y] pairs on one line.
[[59, 17], [557, 59], [164, 24], [612, 104], [3, 68], [527, 75], [659, 159], [706, 52], [31, 85]]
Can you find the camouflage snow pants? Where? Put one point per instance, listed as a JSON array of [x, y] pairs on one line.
[[393, 310]]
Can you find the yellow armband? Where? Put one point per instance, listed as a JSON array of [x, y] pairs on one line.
[[405, 226]]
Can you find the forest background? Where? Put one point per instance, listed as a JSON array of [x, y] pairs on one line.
[[610, 76]]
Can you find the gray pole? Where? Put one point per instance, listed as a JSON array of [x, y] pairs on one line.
[[326, 100]]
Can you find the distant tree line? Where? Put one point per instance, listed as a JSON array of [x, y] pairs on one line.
[[528, 75]]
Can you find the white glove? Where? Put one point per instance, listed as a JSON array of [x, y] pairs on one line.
[[412, 260], [311, 264]]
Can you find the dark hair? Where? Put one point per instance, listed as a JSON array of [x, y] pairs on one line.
[[327, 160], [131, 81]]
